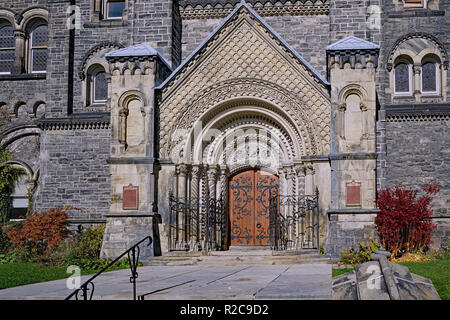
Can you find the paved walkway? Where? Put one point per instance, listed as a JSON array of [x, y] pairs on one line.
[[306, 281]]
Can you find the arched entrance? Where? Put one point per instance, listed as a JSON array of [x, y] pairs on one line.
[[249, 193]]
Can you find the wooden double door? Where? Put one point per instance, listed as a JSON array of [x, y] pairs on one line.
[[249, 194]]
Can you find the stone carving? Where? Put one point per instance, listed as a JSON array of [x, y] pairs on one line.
[[381, 279], [245, 60]]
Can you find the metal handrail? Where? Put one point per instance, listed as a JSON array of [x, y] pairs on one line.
[[133, 258]]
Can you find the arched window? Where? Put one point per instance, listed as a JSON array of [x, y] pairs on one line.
[[97, 85], [7, 47], [38, 43], [19, 198], [403, 78], [430, 76]]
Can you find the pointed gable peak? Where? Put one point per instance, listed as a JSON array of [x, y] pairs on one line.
[[243, 6], [352, 43]]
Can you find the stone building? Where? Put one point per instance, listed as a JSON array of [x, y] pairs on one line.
[[214, 124]]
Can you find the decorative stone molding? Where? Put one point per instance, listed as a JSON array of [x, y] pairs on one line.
[[221, 10], [86, 121], [103, 47]]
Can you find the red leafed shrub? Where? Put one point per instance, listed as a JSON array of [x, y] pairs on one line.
[[404, 220], [41, 231]]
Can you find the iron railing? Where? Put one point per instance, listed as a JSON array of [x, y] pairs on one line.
[[197, 224], [133, 258], [294, 221]]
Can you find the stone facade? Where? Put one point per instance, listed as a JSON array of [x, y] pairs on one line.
[[77, 153]]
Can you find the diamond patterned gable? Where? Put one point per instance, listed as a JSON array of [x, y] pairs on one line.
[[245, 47]]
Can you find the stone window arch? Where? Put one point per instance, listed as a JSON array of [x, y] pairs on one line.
[[427, 60], [37, 45], [97, 85], [7, 47], [403, 75], [431, 75]]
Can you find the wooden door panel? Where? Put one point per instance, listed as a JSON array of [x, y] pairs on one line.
[[266, 185], [249, 194], [242, 208]]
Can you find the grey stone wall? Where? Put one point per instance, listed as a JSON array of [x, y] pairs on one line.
[[74, 171], [418, 153]]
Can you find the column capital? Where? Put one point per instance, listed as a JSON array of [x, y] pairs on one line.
[[182, 169], [310, 169], [299, 169]]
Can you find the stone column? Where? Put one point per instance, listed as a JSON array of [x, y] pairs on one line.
[[211, 174], [195, 200], [19, 60], [300, 172], [182, 196], [223, 195], [341, 121], [417, 68], [309, 180], [364, 129]]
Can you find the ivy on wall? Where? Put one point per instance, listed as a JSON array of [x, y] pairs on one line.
[[8, 177]]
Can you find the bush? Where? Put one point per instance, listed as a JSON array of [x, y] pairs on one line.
[[5, 245], [40, 231], [88, 246], [361, 255], [404, 221]]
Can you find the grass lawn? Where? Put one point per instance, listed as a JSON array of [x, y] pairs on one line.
[[18, 274], [338, 272], [438, 271]]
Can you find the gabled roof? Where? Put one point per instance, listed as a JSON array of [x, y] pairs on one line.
[[218, 28], [138, 50], [352, 43]]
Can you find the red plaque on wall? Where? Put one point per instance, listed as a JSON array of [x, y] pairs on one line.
[[353, 194], [130, 197]]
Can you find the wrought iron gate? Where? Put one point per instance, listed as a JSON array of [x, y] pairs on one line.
[[294, 222], [197, 224]]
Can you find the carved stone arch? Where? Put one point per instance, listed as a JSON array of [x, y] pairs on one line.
[[31, 14], [17, 106], [352, 89], [85, 62], [29, 171], [124, 112], [263, 121], [36, 106], [8, 15], [443, 52], [271, 94]]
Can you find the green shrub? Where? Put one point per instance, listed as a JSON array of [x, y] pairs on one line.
[[5, 245], [361, 255], [87, 247], [9, 257]]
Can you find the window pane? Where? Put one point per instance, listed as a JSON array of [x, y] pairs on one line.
[[100, 87], [6, 60], [429, 77], [115, 9], [402, 78], [7, 37], [40, 36], [39, 61]]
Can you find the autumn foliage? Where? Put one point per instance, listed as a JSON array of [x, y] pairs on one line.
[[404, 221], [41, 231]]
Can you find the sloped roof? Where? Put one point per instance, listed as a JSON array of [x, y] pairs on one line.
[[259, 19], [352, 43], [138, 50]]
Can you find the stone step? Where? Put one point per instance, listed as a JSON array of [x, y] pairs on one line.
[[238, 258]]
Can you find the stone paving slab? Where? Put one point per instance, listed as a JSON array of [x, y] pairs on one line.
[[306, 281]]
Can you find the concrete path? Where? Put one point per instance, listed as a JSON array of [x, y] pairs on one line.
[[306, 281]]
